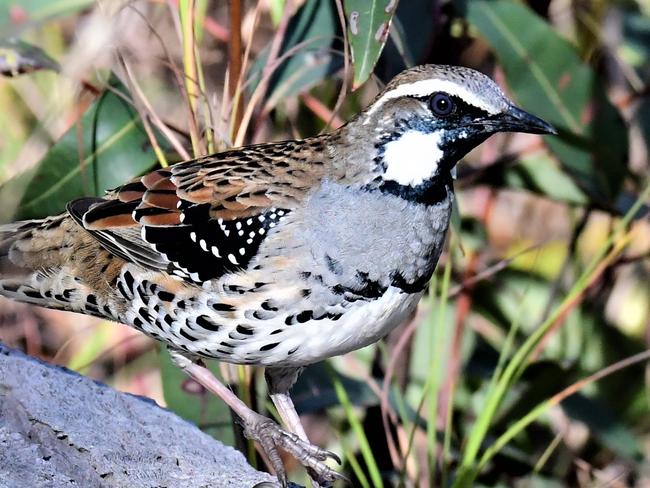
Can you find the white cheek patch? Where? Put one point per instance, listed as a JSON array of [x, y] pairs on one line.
[[413, 158]]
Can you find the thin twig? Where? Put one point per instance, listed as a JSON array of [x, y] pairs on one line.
[[346, 63], [235, 63], [274, 52]]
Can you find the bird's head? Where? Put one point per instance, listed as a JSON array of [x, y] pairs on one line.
[[428, 117]]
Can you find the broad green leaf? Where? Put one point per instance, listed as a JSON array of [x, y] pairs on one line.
[[310, 35], [412, 33], [19, 12], [107, 147], [368, 29], [192, 402], [547, 77], [18, 57], [541, 174]]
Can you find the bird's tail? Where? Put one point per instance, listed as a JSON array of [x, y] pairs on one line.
[[32, 255]]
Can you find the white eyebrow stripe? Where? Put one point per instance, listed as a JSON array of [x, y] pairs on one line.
[[423, 88]]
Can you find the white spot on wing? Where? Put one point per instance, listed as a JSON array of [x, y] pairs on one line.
[[232, 259]]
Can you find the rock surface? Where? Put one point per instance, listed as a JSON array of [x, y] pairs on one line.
[[60, 429]]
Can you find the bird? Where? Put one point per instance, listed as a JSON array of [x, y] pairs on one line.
[[278, 254]]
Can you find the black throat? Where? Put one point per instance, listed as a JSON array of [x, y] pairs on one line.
[[429, 192]]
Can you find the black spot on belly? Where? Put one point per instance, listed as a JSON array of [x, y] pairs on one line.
[[184, 333], [32, 294], [333, 265], [144, 313], [123, 291], [267, 306], [268, 347], [223, 307], [261, 315], [414, 286], [304, 316], [242, 329], [235, 289], [165, 296], [128, 277], [206, 323]]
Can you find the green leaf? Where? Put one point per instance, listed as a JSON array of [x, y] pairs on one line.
[[541, 174], [548, 78], [107, 147], [311, 33], [18, 57], [368, 28], [192, 402]]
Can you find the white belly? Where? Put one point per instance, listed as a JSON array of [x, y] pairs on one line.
[[360, 326]]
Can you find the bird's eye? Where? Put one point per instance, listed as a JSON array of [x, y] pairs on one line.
[[441, 104]]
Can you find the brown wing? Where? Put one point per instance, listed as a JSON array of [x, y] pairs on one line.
[[201, 219]]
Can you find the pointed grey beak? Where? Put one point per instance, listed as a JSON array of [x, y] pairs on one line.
[[517, 120]]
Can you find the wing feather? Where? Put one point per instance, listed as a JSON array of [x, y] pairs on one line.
[[201, 219]]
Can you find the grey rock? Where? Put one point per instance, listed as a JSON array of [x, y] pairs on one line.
[[60, 429]]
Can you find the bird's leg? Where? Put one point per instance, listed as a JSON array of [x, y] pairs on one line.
[[257, 427], [287, 411], [279, 381]]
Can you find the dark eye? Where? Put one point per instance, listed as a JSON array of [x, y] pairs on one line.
[[442, 104]]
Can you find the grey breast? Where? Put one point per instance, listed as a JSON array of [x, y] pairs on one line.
[[356, 236]]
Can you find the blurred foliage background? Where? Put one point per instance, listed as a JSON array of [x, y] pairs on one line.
[[525, 365]]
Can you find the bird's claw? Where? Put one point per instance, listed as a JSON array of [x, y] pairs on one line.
[[271, 437]]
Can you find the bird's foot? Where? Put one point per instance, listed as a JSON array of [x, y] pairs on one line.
[[271, 437]]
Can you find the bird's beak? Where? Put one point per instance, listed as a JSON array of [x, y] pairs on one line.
[[517, 120]]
